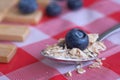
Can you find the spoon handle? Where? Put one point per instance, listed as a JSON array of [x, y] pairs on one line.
[[108, 32]]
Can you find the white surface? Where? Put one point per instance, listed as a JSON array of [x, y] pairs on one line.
[[112, 33], [4, 78], [116, 1], [118, 79], [82, 17], [115, 37]]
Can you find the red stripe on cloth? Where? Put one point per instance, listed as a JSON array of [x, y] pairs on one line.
[[46, 18], [21, 59], [89, 2], [113, 62], [115, 16], [58, 77]]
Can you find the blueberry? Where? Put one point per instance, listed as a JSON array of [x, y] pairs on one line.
[[53, 9], [27, 6], [74, 4], [76, 38]]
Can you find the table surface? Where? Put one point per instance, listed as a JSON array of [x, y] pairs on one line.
[[96, 16]]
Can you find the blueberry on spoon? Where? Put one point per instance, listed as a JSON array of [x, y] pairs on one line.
[[76, 38], [53, 9], [27, 6], [74, 4]]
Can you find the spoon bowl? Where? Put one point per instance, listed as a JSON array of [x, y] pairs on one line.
[[68, 60]]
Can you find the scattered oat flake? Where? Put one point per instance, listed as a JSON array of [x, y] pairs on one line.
[[93, 37], [98, 60], [95, 65], [103, 58], [69, 74], [81, 70]]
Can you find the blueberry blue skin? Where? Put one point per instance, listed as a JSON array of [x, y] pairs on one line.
[[76, 38], [53, 9], [74, 4], [27, 6]]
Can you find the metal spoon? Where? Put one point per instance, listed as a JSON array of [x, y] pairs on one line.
[[78, 61]]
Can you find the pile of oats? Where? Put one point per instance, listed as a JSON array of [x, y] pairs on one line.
[[60, 50]]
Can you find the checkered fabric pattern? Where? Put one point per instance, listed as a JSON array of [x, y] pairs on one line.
[[96, 16]]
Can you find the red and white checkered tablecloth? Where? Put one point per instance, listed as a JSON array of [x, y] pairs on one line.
[[95, 17]]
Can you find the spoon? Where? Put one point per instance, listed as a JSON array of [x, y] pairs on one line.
[[78, 61]]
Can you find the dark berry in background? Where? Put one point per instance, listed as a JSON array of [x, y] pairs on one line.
[[74, 4], [53, 9], [27, 6]]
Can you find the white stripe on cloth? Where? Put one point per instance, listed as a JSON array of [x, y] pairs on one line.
[[110, 52], [118, 79], [82, 17], [115, 37], [116, 1], [115, 34], [4, 78]]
